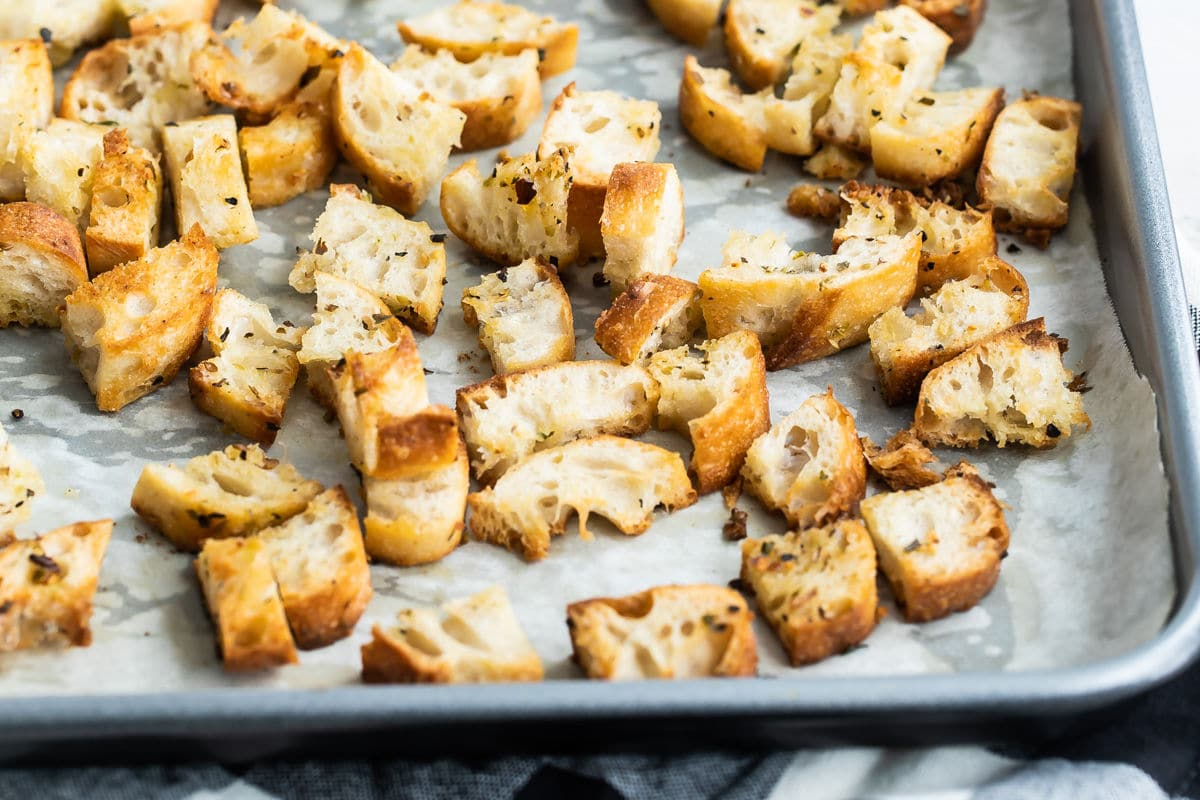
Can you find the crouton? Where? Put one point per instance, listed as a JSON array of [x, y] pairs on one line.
[[417, 519], [697, 631], [147, 16], [939, 547], [58, 163], [140, 84], [805, 306], [816, 588], [476, 639], [657, 312], [400, 142], [207, 183], [718, 400], [724, 121], [1029, 164], [938, 135], [126, 204], [859, 8], [318, 560], [508, 417], [27, 94], [688, 20], [130, 329], [500, 94], [64, 25], [523, 316], [642, 223], [244, 603], [809, 465], [519, 212], [903, 38], [959, 18], [761, 36], [619, 479], [472, 29], [960, 314], [901, 463], [812, 200], [835, 163], [1009, 388], [400, 261], [247, 382], [20, 482], [41, 262], [47, 585]]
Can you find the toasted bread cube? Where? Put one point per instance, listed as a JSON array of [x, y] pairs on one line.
[[680, 632], [67, 23], [619, 479], [688, 20], [59, 162], [1029, 163], [417, 519], [816, 588], [1012, 387], [523, 315], [959, 18], [140, 84], [500, 94], [657, 312], [476, 639], [321, 567], [147, 16], [960, 314], [642, 224], [508, 417], [41, 262], [905, 39], [471, 29], [27, 95], [398, 260], [47, 585], [207, 183], [939, 547], [807, 306], [246, 384], [866, 91], [789, 121], [401, 142], [130, 329], [809, 465], [244, 603], [901, 463], [20, 482], [858, 8], [761, 36], [938, 135], [718, 400], [812, 200], [835, 163], [126, 204], [519, 212], [724, 121]]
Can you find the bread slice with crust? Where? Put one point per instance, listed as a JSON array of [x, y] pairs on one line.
[[59, 163], [959, 18], [939, 547], [67, 24], [41, 263], [656, 312], [642, 223], [208, 185], [816, 588], [476, 639], [688, 20], [20, 482], [809, 465], [508, 417], [937, 135], [523, 316], [126, 204], [761, 36], [718, 400], [27, 95], [147, 16], [619, 479], [724, 121], [789, 120], [697, 631], [130, 329], [901, 463]]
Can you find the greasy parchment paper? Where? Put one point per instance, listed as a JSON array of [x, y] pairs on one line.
[[1089, 571]]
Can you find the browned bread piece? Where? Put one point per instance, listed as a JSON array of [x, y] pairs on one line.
[[959, 18], [960, 314], [68, 23], [470, 28], [247, 382], [761, 36], [812, 200], [319, 563], [224, 494], [20, 482], [244, 603], [901, 462], [697, 631], [58, 163], [508, 417], [835, 163], [622, 480], [476, 639], [656, 312], [809, 465], [47, 585], [642, 224], [147, 16], [724, 121], [126, 204], [523, 316], [130, 329], [1012, 387], [208, 186], [41, 262], [717, 399], [939, 547], [27, 95], [417, 519], [689, 20], [805, 306], [858, 8], [816, 588], [937, 135], [814, 73]]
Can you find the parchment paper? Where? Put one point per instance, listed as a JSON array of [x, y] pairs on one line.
[[1089, 572]]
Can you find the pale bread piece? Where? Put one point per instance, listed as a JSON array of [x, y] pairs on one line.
[[901, 37], [688, 20], [937, 135], [208, 185], [59, 163], [41, 262], [959, 18], [621, 480], [656, 312], [761, 36], [902, 462], [27, 97], [127, 190], [642, 224], [147, 16], [789, 121], [20, 482], [523, 316], [68, 24], [835, 163], [697, 631]]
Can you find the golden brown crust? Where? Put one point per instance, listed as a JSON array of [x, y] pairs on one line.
[[959, 18], [721, 130], [689, 20], [177, 13], [126, 204], [626, 328], [643, 221], [44, 230], [36, 239], [497, 121], [813, 201], [901, 463]]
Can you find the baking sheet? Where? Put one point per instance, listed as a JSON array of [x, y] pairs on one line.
[[1089, 572]]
